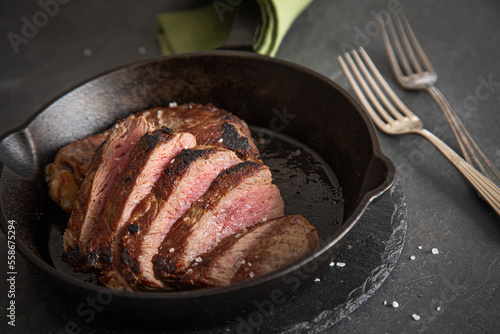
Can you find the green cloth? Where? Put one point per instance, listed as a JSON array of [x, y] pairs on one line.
[[207, 27]]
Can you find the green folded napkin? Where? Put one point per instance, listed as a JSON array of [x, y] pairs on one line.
[[208, 27]]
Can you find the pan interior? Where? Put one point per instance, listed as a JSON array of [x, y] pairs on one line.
[[308, 186]]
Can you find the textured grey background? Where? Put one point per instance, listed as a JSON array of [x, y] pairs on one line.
[[462, 39]]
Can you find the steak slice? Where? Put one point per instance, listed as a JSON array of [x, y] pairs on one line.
[[290, 240], [149, 158], [239, 197], [185, 180], [210, 125], [107, 163], [253, 252]]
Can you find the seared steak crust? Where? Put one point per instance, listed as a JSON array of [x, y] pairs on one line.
[[107, 163], [210, 126], [239, 197], [150, 156], [184, 181], [65, 175]]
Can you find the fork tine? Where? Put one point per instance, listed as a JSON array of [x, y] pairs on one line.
[[406, 43], [375, 87], [371, 112], [393, 60], [401, 106], [395, 44], [416, 45]]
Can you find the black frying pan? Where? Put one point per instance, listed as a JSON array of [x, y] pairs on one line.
[[270, 93]]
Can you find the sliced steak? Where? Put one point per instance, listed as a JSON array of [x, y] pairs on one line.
[[239, 197], [185, 180], [149, 158], [253, 252], [107, 163], [290, 240], [210, 126]]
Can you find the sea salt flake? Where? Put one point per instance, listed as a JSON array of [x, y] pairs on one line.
[[171, 250], [412, 257], [198, 259], [438, 308], [332, 264], [317, 280], [419, 247], [435, 251], [251, 274], [87, 52], [385, 302], [415, 317], [172, 104], [340, 264], [395, 304], [221, 140], [189, 271]]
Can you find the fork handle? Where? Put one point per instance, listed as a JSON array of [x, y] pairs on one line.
[[471, 152], [485, 187]]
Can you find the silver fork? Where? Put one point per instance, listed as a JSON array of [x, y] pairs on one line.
[[395, 118], [414, 71]]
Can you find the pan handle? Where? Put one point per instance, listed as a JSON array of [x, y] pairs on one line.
[[380, 176], [245, 29], [18, 153]]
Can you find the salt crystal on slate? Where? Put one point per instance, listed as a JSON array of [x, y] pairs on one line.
[[435, 251], [416, 316]]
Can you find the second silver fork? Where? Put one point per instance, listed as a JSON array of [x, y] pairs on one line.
[[414, 71]]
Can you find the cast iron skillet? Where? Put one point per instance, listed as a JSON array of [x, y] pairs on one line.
[[326, 119]]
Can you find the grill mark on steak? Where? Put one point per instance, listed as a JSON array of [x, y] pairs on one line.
[[239, 197], [149, 158], [219, 266], [207, 123], [183, 183], [290, 240], [106, 165]]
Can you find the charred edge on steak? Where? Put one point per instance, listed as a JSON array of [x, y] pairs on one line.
[[232, 139], [65, 175], [170, 262], [192, 170], [107, 163], [146, 159]]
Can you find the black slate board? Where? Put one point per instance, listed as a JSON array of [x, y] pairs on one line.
[[370, 253]]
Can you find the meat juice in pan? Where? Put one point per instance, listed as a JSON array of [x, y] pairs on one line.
[[307, 184]]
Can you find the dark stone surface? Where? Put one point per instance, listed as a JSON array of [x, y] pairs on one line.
[[462, 39]]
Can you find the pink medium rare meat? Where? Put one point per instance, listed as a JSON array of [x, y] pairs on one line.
[[239, 197], [148, 160], [107, 163], [253, 252], [185, 180]]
